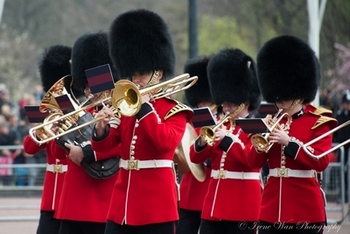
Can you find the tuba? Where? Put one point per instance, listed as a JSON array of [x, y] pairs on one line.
[[260, 141], [208, 133]]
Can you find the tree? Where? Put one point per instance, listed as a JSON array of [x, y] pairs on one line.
[[18, 62], [237, 23], [341, 73]]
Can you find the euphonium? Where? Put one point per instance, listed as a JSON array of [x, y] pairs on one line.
[[208, 132], [260, 141], [56, 124], [61, 87]]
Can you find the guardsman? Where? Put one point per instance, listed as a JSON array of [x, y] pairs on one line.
[[232, 203], [289, 75], [85, 200], [192, 190], [145, 194], [54, 65]]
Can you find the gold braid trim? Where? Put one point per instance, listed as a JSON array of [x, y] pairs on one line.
[[322, 120], [324, 117], [321, 111], [176, 109]]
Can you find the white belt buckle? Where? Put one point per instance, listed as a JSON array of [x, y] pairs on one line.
[[132, 164], [221, 174], [282, 172], [57, 168]]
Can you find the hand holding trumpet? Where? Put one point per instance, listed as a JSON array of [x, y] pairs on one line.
[[279, 135], [220, 133]]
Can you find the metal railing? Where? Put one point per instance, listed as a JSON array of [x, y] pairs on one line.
[[333, 186], [12, 206]]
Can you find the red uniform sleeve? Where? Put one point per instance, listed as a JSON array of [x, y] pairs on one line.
[[31, 147], [317, 148]]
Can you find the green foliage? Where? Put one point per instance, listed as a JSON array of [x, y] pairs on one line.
[[37, 24], [217, 32]]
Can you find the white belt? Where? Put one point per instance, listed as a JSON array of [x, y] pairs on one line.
[[143, 164], [56, 168], [287, 172], [223, 174]]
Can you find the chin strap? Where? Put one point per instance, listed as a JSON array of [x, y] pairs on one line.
[[295, 102], [153, 79]]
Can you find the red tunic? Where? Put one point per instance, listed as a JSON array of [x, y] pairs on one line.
[[192, 191], [53, 182], [84, 198], [230, 199], [294, 200], [146, 196]]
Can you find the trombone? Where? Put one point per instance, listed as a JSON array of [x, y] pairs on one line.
[[317, 157], [260, 141], [125, 99], [208, 133]]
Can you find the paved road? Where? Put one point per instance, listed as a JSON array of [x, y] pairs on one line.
[[28, 208]]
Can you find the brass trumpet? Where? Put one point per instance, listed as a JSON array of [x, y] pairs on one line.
[[208, 132], [260, 141], [125, 99]]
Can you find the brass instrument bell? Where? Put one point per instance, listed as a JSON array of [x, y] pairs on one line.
[[261, 141], [208, 132]]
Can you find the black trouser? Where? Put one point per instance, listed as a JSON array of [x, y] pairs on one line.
[[79, 227], [227, 227], [157, 228], [47, 223], [189, 222], [285, 228]]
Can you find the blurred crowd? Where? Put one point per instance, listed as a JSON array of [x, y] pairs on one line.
[[14, 126]]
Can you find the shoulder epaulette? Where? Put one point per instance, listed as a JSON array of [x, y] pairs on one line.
[[325, 116], [176, 109], [325, 119], [320, 111]]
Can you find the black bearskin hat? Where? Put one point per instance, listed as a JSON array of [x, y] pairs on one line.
[[200, 91], [54, 64], [288, 69], [232, 78], [89, 50], [140, 42]]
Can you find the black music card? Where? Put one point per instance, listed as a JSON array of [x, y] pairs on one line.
[[267, 108], [252, 125], [34, 114], [64, 102], [203, 117], [100, 78]]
